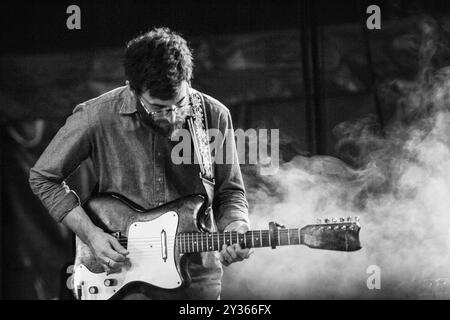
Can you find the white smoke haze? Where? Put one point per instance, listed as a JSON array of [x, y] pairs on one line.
[[400, 189]]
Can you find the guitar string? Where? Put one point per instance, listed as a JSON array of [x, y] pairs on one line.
[[264, 233], [191, 240], [210, 235], [210, 240], [191, 237], [199, 239]]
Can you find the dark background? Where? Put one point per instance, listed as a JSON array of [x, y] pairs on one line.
[[300, 66]]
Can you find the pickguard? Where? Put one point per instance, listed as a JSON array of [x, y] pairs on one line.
[[151, 246]]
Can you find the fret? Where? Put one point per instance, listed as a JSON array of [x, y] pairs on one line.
[[188, 248], [198, 250], [211, 247], [294, 237], [284, 237], [280, 238], [184, 243], [253, 240], [231, 240], [245, 240], [266, 238], [270, 242], [299, 238], [192, 242], [223, 238], [188, 245], [201, 239], [258, 239], [218, 242], [289, 239], [207, 245], [181, 242], [248, 235], [261, 238]]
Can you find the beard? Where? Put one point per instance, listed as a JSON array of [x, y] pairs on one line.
[[164, 127]]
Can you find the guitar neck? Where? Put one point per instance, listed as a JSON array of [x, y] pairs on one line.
[[201, 241]]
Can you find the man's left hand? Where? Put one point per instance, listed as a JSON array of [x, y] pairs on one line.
[[233, 253]]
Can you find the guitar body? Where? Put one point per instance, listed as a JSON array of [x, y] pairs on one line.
[[155, 264]]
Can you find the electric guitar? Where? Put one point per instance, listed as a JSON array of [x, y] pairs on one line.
[[157, 240]]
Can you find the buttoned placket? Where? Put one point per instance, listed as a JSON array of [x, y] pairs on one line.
[[159, 183]]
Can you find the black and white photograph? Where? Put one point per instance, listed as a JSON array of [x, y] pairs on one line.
[[225, 151]]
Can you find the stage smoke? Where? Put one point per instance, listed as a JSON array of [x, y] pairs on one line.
[[396, 179]]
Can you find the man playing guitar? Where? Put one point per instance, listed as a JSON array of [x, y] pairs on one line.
[[127, 134]]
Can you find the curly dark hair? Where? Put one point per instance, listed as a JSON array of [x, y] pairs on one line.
[[158, 61]]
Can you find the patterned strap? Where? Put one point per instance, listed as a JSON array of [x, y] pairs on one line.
[[198, 126]]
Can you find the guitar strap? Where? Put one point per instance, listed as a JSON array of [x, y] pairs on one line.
[[198, 127]]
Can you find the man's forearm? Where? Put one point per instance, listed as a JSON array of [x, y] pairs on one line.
[[230, 206], [79, 222]]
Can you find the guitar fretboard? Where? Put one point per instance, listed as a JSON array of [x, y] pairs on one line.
[[202, 241]]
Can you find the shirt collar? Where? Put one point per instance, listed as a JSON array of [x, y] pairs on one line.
[[129, 102]]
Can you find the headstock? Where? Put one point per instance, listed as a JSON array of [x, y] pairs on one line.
[[340, 234]]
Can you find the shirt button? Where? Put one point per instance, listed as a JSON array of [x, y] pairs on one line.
[[159, 179]]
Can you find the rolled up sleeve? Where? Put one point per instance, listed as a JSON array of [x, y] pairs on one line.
[[230, 204], [70, 146]]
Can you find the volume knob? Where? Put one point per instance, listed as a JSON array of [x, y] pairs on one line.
[[110, 282], [93, 290]]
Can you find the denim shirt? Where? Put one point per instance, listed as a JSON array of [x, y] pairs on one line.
[[131, 158]]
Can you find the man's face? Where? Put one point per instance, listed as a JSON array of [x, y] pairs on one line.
[[168, 115]]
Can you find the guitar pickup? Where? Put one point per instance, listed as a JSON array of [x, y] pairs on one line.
[[164, 245]]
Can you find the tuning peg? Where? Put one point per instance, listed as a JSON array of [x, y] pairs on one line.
[[349, 219], [357, 219], [319, 221], [326, 220], [342, 219], [280, 225], [334, 220]]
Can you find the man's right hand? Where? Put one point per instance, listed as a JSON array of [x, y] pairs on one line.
[[107, 250]]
